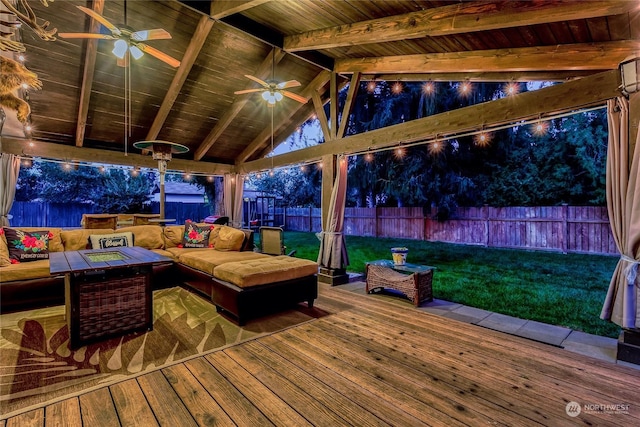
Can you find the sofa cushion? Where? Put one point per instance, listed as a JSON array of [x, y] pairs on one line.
[[78, 239], [260, 271], [229, 239], [24, 271], [173, 234], [25, 246], [146, 236], [206, 260], [114, 240], [196, 236]]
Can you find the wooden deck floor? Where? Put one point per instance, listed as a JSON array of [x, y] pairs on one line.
[[375, 361]]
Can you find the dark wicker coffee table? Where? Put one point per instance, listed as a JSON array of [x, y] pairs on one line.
[[107, 291], [413, 280]]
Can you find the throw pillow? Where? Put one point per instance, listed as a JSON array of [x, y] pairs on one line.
[[195, 236], [229, 239], [27, 246], [115, 240]]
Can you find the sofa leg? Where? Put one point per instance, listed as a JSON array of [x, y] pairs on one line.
[[310, 303]]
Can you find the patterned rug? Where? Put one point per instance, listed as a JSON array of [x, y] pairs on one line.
[[36, 364]]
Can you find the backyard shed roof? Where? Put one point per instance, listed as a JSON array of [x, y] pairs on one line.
[[81, 105]]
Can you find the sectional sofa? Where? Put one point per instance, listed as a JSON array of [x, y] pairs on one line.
[[239, 281]]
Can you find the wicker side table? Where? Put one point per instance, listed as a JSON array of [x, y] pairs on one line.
[[415, 281]]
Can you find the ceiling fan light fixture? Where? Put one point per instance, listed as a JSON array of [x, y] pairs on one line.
[[278, 96], [120, 48], [136, 52], [266, 95]]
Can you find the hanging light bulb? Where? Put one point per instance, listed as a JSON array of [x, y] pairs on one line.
[[136, 52], [120, 48]]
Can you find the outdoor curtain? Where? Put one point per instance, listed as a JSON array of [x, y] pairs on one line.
[[233, 198], [9, 170], [333, 248], [623, 205]]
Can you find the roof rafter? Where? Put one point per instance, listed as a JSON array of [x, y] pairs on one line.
[[87, 77], [579, 56], [195, 45], [262, 72], [222, 8], [454, 19]]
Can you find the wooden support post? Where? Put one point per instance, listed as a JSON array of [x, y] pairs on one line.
[[333, 276]]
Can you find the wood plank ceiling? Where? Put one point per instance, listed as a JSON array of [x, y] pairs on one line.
[[82, 100]]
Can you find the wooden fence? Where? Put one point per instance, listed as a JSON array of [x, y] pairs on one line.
[[567, 229], [34, 214]]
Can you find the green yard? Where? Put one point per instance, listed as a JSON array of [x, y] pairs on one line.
[[566, 290]]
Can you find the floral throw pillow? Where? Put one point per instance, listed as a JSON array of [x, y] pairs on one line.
[[196, 236], [27, 246]]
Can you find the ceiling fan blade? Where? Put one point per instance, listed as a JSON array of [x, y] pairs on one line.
[[155, 34], [240, 92], [257, 80], [101, 19], [160, 55], [290, 83], [294, 96], [85, 36]]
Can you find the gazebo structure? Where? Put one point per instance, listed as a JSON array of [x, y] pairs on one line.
[[92, 108]]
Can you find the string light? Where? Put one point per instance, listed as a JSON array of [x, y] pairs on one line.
[[368, 157], [371, 86], [436, 147], [428, 88], [397, 88], [400, 152], [209, 178], [511, 89], [482, 139], [464, 88], [540, 128]]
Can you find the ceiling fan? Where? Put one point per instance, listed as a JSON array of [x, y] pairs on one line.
[[126, 39], [273, 91]]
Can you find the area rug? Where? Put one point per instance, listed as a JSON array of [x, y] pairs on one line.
[[36, 364]]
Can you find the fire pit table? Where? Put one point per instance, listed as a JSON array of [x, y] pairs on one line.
[[107, 291]]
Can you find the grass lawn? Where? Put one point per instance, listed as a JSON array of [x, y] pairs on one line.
[[566, 290]]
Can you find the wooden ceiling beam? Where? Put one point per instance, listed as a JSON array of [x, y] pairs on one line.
[[188, 59], [516, 76], [87, 76], [463, 17], [47, 150], [569, 57], [223, 8], [319, 81], [568, 96], [240, 101]]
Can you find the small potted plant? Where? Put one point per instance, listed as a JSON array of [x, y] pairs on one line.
[[399, 255]]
